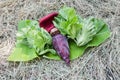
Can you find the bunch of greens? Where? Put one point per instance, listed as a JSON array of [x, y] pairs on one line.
[[32, 41], [80, 30]]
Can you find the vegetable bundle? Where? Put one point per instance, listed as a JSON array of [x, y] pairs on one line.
[[80, 30], [34, 41], [31, 42], [59, 42]]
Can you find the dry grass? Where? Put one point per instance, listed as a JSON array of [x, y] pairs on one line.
[[100, 63]]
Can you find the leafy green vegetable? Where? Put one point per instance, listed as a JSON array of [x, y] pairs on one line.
[[68, 22], [27, 23], [84, 33], [77, 51], [87, 32], [80, 30], [90, 27], [31, 41]]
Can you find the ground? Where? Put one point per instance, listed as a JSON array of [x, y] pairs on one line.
[[99, 63]]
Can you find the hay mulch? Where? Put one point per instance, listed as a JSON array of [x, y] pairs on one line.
[[99, 63]]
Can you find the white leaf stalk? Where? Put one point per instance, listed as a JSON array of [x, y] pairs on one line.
[[87, 32]]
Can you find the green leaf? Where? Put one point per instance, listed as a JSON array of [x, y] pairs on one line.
[[76, 51], [47, 51], [68, 22], [26, 23], [52, 56], [67, 12], [100, 37], [89, 30], [22, 53]]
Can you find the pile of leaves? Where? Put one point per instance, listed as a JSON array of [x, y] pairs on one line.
[[82, 33]]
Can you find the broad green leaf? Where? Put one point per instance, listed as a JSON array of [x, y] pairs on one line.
[[22, 53], [100, 37], [75, 51]]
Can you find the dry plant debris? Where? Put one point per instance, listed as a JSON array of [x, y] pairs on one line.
[[101, 63]]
